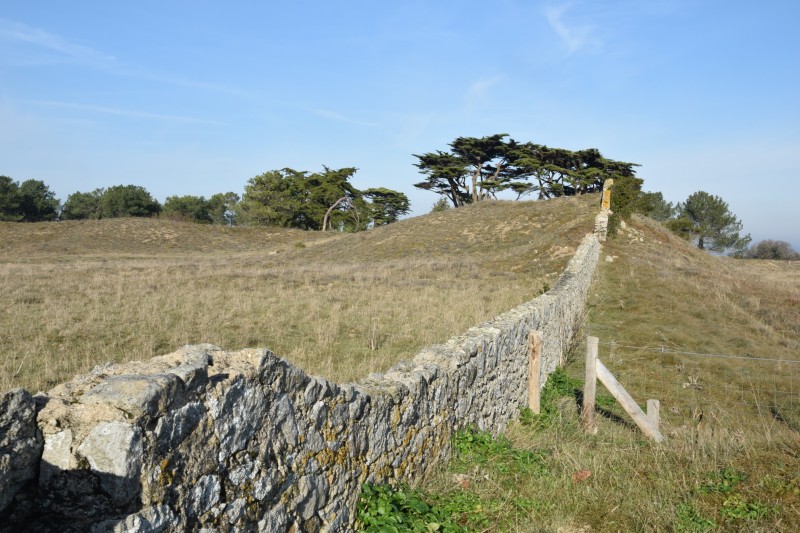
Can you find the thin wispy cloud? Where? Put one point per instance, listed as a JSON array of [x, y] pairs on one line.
[[479, 91], [38, 40], [338, 117], [131, 113], [178, 81], [22, 33], [573, 37]]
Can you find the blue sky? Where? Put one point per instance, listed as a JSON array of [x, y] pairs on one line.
[[198, 97]]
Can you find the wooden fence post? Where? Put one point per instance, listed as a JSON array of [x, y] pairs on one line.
[[590, 386], [654, 412], [534, 370]]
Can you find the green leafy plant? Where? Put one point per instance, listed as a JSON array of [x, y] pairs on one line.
[[383, 508], [737, 508], [722, 482], [689, 519]]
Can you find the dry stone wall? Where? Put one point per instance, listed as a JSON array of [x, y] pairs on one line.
[[214, 440]]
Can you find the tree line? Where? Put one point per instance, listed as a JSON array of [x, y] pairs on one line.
[[473, 169], [286, 198]]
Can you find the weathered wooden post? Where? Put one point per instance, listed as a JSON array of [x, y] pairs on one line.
[[534, 370], [590, 386], [629, 404], [654, 412], [607, 194]]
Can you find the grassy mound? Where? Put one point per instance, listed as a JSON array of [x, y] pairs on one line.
[[340, 305]]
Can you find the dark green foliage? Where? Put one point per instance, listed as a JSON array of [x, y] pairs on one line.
[[708, 221], [127, 201], [82, 205], [222, 208], [319, 200], [653, 205], [189, 208], [446, 175], [387, 205], [30, 201], [297, 199], [681, 226], [9, 200], [37, 203], [624, 195], [771, 249], [478, 168]]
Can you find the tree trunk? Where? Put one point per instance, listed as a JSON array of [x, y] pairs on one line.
[[494, 178], [331, 208], [475, 184]]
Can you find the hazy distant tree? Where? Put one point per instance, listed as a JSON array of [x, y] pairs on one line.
[[341, 205], [128, 201], [37, 203], [189, 208], [317, 201], [82, 205], [523, 188], [276, 198], [222, 207], [298, 199], [9, 200], [387, 205], [440, 205], [771, 249], [681, 226], [653, 205], [29, 201], [710, 224]]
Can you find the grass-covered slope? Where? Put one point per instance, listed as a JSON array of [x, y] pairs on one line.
[[341, 305], [731, 460]]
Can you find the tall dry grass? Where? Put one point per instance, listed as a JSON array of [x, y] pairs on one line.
[[85, 293]]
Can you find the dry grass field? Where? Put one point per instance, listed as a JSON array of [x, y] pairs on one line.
[[78, 294], [731, 459]]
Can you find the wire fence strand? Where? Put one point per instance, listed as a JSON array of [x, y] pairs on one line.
[[687, 382]]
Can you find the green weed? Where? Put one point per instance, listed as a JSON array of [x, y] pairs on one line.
[[689, 519], [722, 482], [382, 508], [559, 385], [737, 508], [474, 447]]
